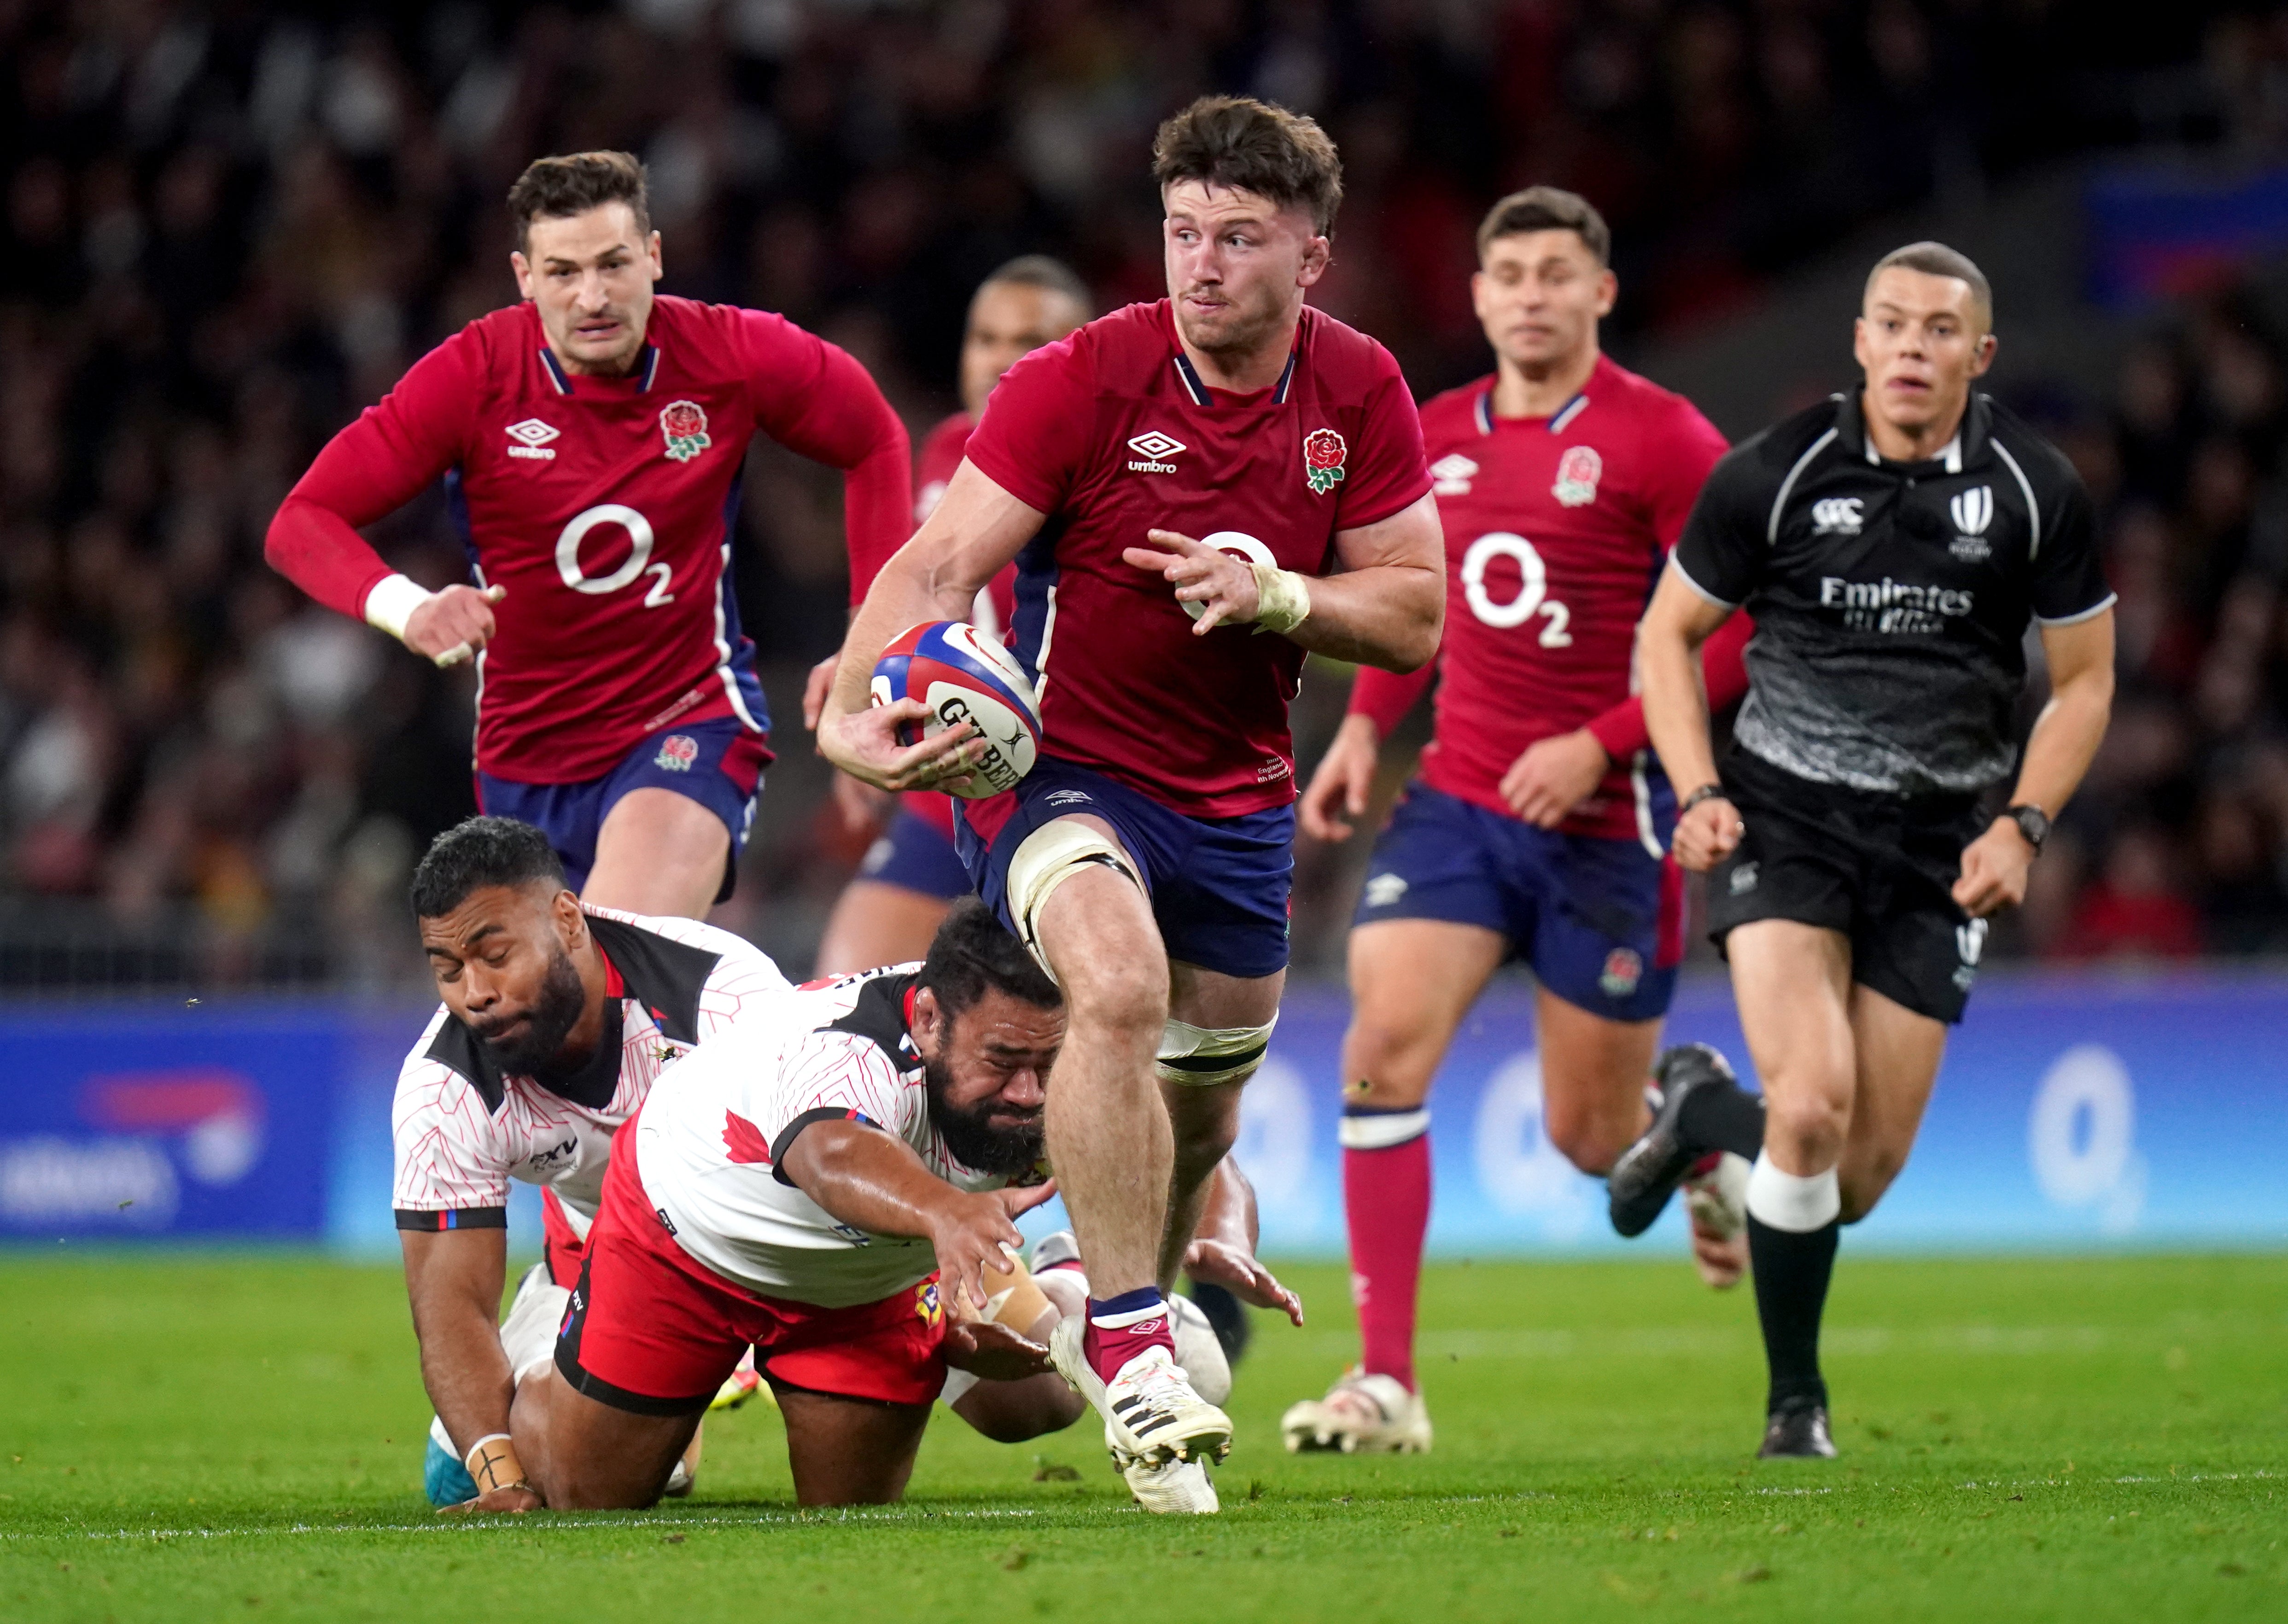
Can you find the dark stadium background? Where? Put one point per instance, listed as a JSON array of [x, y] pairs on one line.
[[227, 227]]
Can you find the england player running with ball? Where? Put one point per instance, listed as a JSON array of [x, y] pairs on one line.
[[1538, 827], [1196, 492], [1893, 543]]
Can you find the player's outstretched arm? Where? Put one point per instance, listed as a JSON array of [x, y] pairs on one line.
[[1223, 1251], [1676, 713], [873, 1180], [1386, 607], [2065, 739], [453, 1280], [976, 528]]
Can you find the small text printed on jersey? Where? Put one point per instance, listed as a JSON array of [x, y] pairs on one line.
[[1893, 606], [1153, 448], [532, 437]]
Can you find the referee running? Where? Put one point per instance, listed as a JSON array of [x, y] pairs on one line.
[[1892, 545]]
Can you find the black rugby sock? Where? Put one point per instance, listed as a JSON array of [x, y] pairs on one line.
[[1726, 1118], [1791, 1270]]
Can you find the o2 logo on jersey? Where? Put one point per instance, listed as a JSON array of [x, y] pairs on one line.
[[1532, 593], [638, 561], [1241, 544], [684, 424]]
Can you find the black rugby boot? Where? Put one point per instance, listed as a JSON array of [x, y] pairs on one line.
[[1797, 1431], [1648, 1173]]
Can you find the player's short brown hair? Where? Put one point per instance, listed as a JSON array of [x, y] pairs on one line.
[[559, 188], [1937, 259], [1547, 208], [1253, 146]]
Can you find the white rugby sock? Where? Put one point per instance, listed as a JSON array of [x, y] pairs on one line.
[[1791, 1201]]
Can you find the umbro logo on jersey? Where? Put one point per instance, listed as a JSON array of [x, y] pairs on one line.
[[1453, 475], [1835, 516], [1153, 448], [1972, 512], [532, 436]]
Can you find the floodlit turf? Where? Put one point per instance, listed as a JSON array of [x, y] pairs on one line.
[[211, 1438]]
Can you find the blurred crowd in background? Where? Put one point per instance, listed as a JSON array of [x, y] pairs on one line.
[[227, 227]]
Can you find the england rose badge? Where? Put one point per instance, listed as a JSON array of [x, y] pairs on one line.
[[1324, 456], [684, 424]]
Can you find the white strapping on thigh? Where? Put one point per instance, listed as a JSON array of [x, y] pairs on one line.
[[1044, 859], [1201, 1056]]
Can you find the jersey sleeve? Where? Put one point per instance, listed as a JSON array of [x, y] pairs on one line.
[[2069, 581], [373, 467], [815, 400], [1389, 470], [833, 1077], [1722, 550], [1033, 439], [1386, 696], [449, 1175]]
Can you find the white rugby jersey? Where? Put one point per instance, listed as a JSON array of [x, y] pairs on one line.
[[464, 1129], [709, 1141]]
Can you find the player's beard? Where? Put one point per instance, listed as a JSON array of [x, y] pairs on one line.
[[1241, 329], [972, 1136], [554, 1013]]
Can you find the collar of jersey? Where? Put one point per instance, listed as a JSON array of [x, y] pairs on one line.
[[1202, 395], [1966, 450], [1557, 422], [562, 380]]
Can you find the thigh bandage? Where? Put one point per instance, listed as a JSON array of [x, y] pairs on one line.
[[1200, 1056], [1044, 859]]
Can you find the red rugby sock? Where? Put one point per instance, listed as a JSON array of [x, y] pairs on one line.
[[1386, 1200]]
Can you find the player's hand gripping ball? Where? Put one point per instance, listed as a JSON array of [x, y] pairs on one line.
[[964, 676]]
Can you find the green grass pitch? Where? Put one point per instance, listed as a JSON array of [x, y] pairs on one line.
[[239, 1436]]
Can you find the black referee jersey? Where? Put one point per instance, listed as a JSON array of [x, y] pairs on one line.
[[1891, 600]]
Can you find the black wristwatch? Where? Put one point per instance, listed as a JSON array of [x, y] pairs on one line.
[[2033, 821], [1706, 792]]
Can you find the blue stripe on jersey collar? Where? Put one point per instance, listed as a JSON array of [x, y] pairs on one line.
[[562, 379], [1557, 425], [1198, 390]]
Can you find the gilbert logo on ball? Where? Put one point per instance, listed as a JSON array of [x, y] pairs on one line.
[[684, 424], [964, 676], [1324, 456]]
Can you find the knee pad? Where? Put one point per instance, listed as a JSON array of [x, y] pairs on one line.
[[1044, 859], [1201, 1056]]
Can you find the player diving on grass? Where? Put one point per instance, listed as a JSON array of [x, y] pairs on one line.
[[558, 1018], [1538, 827], [832, 1183], [1893, 544], [1196, 492], [592, 439]]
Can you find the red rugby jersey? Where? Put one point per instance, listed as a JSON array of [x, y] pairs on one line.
[[1556, 530], [1111, 433], [605, 506]]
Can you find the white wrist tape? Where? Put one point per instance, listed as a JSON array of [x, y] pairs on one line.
[[392, 603], [478, 1448], [1282, 600]]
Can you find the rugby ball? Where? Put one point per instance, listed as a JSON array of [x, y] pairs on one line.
[[962, 675]]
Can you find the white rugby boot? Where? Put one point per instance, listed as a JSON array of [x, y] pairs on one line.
[[1716, 1203], [1171, 1488], [1151, 1412], [1362, 1415]]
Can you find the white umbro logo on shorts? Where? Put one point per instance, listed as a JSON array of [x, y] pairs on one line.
[[1153, 448], [533, 436], [1384, 889]]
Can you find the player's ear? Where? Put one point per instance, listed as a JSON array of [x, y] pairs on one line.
[[1981, 355], [1608, 290], [1318, 255], [571, 924], [929, 1021], [658, 261], [522, 266]]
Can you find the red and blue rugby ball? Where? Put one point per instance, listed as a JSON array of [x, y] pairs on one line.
[[965, 676]]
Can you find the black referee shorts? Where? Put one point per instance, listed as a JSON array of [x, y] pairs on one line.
[[1879, 868]]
